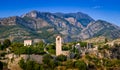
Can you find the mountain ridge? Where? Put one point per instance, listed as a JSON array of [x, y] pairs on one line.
[[46, 25]]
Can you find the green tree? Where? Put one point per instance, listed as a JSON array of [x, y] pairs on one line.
[[91, 66], [41, 67], [47, 58], [22, 64], [16, 48], [1, 47], [36, 66], [70, 64], [106, 40], [61, 58], [52, 64], [107, 62], [107, 47], [1, 65], [6, 43], [30, 65], [81, 65], [88, 57], [83, 44], [51, 48], [16, 45], [65, 47]]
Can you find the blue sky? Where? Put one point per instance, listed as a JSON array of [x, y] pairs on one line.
[[108, 10]]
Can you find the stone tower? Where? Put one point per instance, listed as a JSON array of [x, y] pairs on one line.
[[58, 45]]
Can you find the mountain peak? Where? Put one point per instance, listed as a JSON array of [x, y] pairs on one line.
[[32, 14]]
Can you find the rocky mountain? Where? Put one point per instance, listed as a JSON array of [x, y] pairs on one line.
[[46, 25], [79, 19], [100, 28]]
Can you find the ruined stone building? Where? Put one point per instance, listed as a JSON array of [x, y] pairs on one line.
[[27, 42], [59, 47]]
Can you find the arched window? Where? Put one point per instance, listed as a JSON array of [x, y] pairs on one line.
[[58, 39]]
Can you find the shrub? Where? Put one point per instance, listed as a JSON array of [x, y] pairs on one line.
[[61, 58], [81, 65], [47, 58], [70, 64]]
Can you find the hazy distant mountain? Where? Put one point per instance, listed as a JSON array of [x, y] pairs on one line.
[[46, 25]]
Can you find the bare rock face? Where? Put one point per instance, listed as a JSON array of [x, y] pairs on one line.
[[32, 14], [8, 21], [74, 22], [100, 28], [80, 17], [90, 30]]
